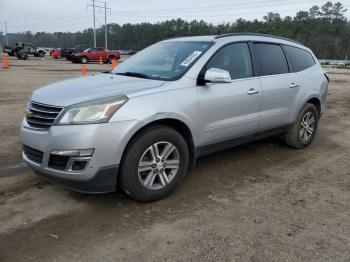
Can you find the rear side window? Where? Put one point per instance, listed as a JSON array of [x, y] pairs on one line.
[[301, 59], [272, 59], [235, 59]]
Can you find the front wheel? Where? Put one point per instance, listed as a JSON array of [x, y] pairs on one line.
[[304, 129], [155, 161], [84, 60]]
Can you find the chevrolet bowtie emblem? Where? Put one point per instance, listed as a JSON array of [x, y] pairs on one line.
[[28, 114]]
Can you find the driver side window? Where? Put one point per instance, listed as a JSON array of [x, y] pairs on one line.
[[235, 59]]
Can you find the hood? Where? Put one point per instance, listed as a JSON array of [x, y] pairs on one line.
[[87, 88]]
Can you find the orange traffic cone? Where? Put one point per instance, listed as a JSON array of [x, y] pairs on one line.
[[4, 62], [101, 62], [114, 63], [83, 70]]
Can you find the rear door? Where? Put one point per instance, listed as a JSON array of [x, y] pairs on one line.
[[229, 110], [279, 86]]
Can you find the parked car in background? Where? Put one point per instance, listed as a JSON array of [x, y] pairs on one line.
[[142, 125], [56, 53], [94, 54], [8, 50], [66, 51], [41, 51], [12, 51], [132, 52], [127, 52], [22, 54], [75, 50]]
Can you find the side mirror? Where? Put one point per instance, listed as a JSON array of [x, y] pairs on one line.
[[216, 75]]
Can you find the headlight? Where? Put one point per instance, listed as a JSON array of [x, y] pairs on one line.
[[92, 112]]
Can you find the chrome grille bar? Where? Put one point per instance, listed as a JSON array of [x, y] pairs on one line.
[[41, 116]]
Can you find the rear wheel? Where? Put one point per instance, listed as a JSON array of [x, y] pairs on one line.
[[155, 161], [304, 129], [110, 59], [41, 54]]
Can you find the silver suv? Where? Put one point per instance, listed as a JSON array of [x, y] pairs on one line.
[[141, 126]]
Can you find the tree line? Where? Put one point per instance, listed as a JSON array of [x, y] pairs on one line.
[[322, 28]]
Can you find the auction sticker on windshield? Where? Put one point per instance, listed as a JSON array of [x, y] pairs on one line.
[[191, 58]]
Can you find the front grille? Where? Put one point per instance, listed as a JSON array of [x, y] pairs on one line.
[[40, 115], [58, 162], [33, 154]]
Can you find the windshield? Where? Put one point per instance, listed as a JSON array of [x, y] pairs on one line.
[[164, 60]]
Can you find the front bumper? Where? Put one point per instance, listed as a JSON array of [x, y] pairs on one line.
[[105, 180], [100, 174]]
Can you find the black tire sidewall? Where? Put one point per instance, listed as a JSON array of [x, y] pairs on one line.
[[129, 180], [110, 59]]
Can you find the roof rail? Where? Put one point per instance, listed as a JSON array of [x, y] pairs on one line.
[[257, 34]]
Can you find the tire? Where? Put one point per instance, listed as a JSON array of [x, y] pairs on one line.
[[110, 59], [296, 136], [84, 60], [163, 179], [41, 54]]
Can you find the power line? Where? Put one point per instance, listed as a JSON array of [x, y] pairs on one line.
[[105, 11], [64, 23], [216, 7], [192, 14], [53, 21]]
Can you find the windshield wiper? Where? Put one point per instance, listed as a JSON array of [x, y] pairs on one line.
[[134, 74]]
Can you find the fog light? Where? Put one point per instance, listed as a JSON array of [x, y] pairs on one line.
[[74, 152], [79, 165]]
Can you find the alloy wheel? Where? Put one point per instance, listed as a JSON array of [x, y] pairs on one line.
[[307, 127], [158, 165]]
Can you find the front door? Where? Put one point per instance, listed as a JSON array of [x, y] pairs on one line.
[[230, 110]]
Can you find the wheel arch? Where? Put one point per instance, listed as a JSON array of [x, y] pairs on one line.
[[316, 102], [312, 99], [174, 123]]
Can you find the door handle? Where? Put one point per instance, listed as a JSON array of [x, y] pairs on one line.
[[293, 85], [252, 91]]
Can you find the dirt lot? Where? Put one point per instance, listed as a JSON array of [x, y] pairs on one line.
[[258, 202]]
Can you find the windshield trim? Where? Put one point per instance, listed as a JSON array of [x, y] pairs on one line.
[[210, 45]]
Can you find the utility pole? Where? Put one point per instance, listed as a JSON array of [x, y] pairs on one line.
[[106, 45], [105, 9], [93, 4], [7, 37], [6, 34]]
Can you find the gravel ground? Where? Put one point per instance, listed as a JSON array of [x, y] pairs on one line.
[[258, 202]]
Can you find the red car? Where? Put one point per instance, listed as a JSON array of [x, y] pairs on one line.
[[56, 53], [94, 54]]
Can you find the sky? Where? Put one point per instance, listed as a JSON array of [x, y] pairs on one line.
[[74, 15]]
